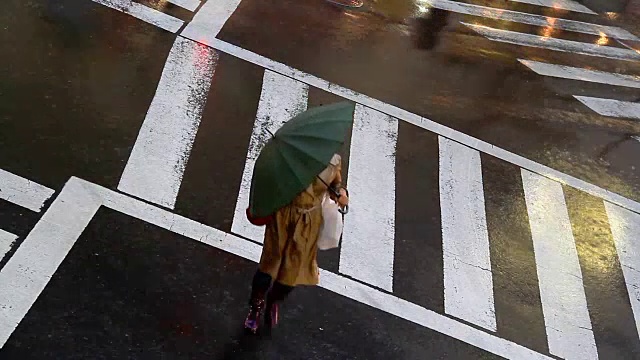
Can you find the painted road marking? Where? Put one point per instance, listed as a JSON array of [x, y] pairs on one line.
[[26, 274], [22, 192], [407, 116], [190, 5], [559, 4], [423, 123], [156, 165], [468, 282], [281, 99], [531, 19], [6, 240], [367, 250], [573, 73], [144, 13], [210, 19], [625, 227], [512, 37], [627, 46], [564, 303], [610, 107]]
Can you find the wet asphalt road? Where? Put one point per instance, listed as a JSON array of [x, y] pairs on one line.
[[76, 81]]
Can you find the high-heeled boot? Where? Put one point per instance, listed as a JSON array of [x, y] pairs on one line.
[[257, 306], [276, 295], [259, 287]]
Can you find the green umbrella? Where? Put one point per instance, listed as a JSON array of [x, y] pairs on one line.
[[296, 154]]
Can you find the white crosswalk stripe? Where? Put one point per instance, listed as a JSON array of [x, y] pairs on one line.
[[6, 240], [530, 19], [573, 73], [611, 107], [517, 38], [560, 279], [625, 227], [468, 285], [190, 5], [559, 4], [281, 99], [367, 253], [145, 13], [605, 107]]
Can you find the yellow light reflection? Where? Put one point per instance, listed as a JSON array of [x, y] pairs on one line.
[[612, 15], [547, 31], [603, 40]]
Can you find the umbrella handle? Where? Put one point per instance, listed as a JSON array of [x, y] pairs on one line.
[[345, 210]]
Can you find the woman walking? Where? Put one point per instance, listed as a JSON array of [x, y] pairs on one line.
[[289, 254]]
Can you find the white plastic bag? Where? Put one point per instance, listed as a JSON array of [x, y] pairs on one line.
[[331, 229]]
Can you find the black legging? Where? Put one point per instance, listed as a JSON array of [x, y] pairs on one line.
[[261, 284]]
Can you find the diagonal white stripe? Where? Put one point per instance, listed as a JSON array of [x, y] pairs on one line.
[[468, 281], [559, 4], [190, 5], [531, 19], [613, 108], [281, 99], [573, 73], [564, 302], [512, 37], [23, 192], [367, 251], [423, 123], [625, 229], [144, 13], [6, 239], [156, 165], [210, 19], [27, 273]]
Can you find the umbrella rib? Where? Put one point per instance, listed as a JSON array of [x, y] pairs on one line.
[[310, 136], [311, 155], [294, 125], [289, 165]]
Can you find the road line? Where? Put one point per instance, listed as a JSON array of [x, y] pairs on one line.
[[531, 19], [423, 123], [6, 240], [281, 99], [34, 263], [210, 19], [367, 249], [627, 45], [573, 73], [29, 270], [559, 4], [144, 13], [190, 5], [468, 282], [512, 37], [156, 165], [610, 107], [22, 192], [625, 228], [564, 302]]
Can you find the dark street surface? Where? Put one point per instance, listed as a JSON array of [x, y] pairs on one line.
[[76, 82]]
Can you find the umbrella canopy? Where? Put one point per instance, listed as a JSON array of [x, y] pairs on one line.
[[296, 154]]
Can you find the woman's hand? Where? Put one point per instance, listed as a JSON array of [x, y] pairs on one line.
[[343, 200]]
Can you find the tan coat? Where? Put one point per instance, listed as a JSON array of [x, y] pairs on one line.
[[290, 247]]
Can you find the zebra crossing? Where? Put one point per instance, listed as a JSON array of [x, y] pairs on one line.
[[605, 107], [367, 263]]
